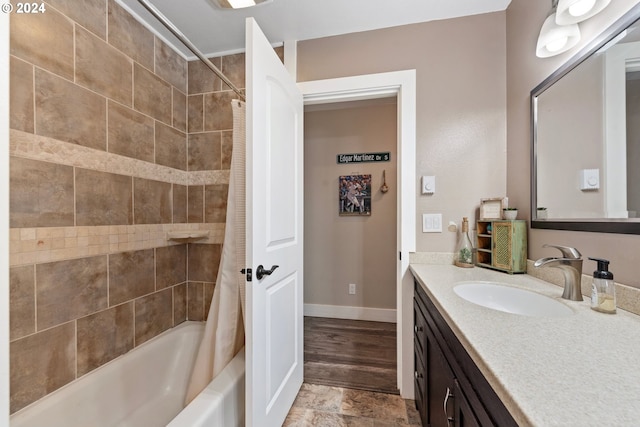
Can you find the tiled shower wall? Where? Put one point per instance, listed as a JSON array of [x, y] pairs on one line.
[[116, 140]]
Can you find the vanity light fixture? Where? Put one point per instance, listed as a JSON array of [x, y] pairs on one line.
[[555, 39], [239, 4], [574, 11]]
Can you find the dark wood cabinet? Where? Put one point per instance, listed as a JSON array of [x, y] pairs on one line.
[[450, 390]]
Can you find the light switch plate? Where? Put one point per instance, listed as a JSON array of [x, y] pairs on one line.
[[432, 223], [428, 184]]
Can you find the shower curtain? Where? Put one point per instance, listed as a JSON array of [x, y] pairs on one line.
[[224, 330]]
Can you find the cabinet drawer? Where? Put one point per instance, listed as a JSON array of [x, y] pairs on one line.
[[419, 325]]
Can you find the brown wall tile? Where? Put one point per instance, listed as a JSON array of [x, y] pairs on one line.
[[91, 14], [217, 111], [171, 265], [195, 113], [130, 133], [130, 36], [170, 66], [202, 79], [151, 94], [44, 39], [179, 110], [66, 290], [195, 204], [171, 147], [103, 198], [21, 95], [102, 68], [41, 194], [179, 304], [203, 262], [153, 315], [104, 336], [41, 363], [226, 150], [215, 206], [233, 66], [22, 301], [179, 204], [131, 275], [151, 202], [205, 151], [69, 112], [195, 301]]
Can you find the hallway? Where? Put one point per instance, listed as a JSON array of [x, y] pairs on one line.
[[350, 376]]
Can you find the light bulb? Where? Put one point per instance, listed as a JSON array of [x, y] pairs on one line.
[[239, 4], [581, 7], [557, 44]]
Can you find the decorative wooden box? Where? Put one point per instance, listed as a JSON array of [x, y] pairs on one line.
[[502, 245]]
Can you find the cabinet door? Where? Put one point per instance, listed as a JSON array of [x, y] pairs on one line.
[[419, 343], [502, 254], [440, 385], [463, 414]]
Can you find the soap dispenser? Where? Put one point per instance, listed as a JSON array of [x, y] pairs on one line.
[[603, 292]]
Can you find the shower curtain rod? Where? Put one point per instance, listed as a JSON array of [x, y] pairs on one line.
[[176, 32]]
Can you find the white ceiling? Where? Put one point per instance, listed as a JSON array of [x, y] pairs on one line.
[[216, 32]]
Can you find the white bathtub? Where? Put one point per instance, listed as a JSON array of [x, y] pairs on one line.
[[145, 388]]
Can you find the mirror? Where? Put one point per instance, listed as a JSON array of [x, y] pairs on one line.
[[585, 128]]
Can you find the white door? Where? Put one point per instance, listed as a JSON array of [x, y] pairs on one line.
[[274, 234]]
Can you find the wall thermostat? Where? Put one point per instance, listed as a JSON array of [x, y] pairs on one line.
[[589, 179]]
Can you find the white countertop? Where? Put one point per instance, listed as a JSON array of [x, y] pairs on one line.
[[581, 370]]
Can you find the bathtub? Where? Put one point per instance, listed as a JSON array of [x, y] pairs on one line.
[[145, 387]]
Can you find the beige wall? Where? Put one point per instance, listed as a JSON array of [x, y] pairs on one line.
[[524, 72], [461, 104], [342, 249]]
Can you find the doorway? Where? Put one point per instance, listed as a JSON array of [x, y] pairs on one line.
[[350, 205], [402, 85]]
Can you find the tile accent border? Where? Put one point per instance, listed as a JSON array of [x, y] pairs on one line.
[[36, 147], [47, 244]]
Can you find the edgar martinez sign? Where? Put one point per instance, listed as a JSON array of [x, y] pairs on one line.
[[363, 157]]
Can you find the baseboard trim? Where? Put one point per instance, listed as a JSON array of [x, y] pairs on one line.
[[352, 313]]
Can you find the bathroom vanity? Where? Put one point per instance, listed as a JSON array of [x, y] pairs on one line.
[[449, 387], [477, 366]]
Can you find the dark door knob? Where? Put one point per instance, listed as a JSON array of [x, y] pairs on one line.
[[261, 272]]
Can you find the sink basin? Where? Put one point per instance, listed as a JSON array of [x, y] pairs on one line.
[[511, 300]]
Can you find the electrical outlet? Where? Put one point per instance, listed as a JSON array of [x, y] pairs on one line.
[[352, 288]]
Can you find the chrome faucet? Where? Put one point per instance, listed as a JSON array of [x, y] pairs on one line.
[[571, 266]]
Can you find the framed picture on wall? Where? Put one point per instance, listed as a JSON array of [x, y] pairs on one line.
[[354, 195]]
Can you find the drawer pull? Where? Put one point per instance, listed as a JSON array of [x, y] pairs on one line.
[[417, 329], [450, 420], [417, 375]]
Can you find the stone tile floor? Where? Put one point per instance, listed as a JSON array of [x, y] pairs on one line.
[[325, 406]]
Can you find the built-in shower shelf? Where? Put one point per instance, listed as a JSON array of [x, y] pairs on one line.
[[187, 236]]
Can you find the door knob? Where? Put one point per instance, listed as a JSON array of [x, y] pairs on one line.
[[261, 272]]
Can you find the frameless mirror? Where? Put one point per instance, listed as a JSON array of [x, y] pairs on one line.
[[585, 120]]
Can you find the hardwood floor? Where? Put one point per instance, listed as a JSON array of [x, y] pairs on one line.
[[350, 353]]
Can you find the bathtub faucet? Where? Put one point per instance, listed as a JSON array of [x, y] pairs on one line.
[[571, 266]]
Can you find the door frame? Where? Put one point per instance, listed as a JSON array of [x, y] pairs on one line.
[[402, 85]]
